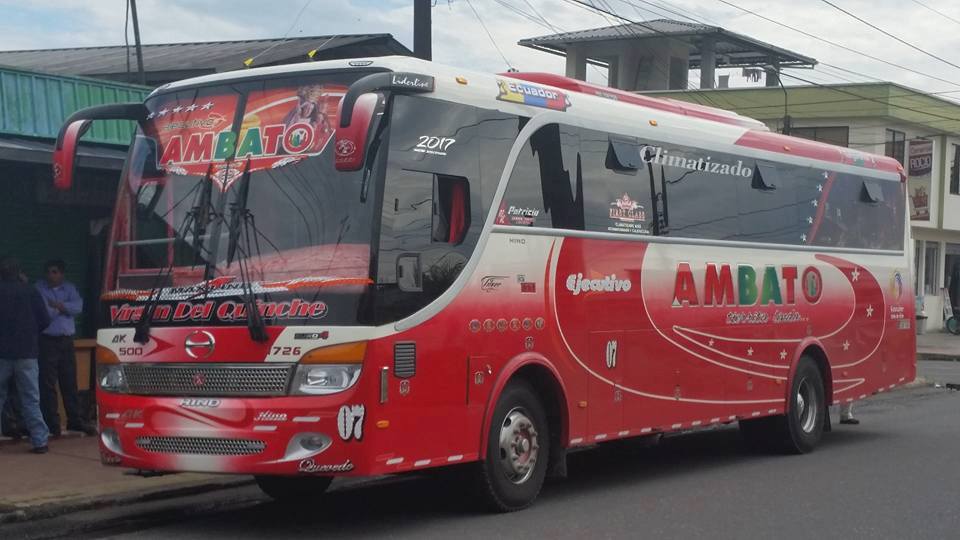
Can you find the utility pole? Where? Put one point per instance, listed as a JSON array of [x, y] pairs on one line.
[[422, 31], [142, 77]]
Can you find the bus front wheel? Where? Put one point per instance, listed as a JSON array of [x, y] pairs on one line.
[[293, 489], [511, 474]]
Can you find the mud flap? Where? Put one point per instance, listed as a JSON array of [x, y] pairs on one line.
[[558, 462]]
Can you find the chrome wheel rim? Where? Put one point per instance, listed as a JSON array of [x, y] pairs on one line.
[[807, 408], [519, 448]]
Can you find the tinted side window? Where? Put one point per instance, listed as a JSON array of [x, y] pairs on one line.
[[546, 184], [847, 210], [701, 190], [617, 197]]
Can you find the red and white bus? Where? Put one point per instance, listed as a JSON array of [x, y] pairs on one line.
[[385, 265]]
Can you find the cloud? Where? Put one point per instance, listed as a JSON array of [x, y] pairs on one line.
[[458, 38]]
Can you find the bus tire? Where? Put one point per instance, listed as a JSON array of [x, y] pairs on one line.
[[510, 475], [804, 421], [293, 489]]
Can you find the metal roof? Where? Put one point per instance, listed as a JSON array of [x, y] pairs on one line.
[[173, 61], [732, 49], [35, 104]]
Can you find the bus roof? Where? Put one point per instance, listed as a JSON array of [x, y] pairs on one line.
[[529, 94]]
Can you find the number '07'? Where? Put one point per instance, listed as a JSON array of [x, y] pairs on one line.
[[435, 143]]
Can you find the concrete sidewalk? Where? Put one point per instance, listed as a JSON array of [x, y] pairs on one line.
[[70, 478], [938, 346]]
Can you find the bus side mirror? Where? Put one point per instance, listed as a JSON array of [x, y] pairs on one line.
[[351, 141], [65, 150], [65, 153], [357, 109]]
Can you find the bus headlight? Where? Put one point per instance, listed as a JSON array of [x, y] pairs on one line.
[[325, 378], [111, 378], [327, 370]]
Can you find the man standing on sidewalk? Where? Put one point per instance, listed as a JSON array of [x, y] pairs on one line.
[[22, 317], [58, 363]]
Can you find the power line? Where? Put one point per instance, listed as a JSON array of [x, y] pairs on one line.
[[942, 14], [540, 20], [884, 32], [492, 41], [249, 61], [835, 44]]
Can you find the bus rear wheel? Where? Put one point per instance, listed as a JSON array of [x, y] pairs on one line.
[[800, 430], [510, 476], [293, 489]]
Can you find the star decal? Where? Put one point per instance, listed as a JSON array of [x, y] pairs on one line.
[[177, 109], [820, 188], [783, 354], [810, 220], [192, 107], [825, 175], [803, 238], [815, 202], [207, 106], [163, 112], [710, 343], [846, 344], [750, 351], [855, 274], [151, 115], [870, 311]]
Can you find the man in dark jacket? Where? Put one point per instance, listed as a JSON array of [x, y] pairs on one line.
[[22, 317]]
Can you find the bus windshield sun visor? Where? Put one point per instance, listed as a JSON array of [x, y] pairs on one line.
[[65, 150], [359, 106], [623, 155]]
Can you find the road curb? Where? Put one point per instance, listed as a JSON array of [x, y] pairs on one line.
[[938, 357], [15, 514]]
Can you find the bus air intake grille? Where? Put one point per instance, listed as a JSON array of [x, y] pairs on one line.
[[405, 359], [202, 446], [200, 380]]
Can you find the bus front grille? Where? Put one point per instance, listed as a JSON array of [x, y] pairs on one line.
[[204, 446], [207, 379]]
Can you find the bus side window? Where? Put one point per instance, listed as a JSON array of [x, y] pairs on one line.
[[546, 184]]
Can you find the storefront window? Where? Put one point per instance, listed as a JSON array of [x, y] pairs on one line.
[[931, 277]]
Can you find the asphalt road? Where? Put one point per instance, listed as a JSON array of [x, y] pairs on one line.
[[897, 475]]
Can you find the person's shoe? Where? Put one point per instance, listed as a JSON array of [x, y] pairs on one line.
[[54, 432], [851, 421], [40, 449]]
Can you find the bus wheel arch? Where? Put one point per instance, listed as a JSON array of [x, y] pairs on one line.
[[543, 377], [819, 357]]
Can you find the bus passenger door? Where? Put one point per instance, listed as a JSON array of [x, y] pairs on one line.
[[605, 398]]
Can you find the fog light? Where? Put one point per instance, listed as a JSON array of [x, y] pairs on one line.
[[111, 439], [314, 443]]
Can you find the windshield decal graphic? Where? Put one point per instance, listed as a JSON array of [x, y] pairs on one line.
[[230, 286], [279, 127], [225, 311]]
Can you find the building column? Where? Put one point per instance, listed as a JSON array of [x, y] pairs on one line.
[[576, 62], [628, 64], [708, 63]]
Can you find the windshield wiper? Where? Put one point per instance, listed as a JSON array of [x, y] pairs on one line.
[[190, 221], [241, 223]]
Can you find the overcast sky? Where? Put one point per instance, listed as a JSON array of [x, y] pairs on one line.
[[458, 38]]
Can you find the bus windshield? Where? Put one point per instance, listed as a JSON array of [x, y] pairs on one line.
[[232, 190]]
